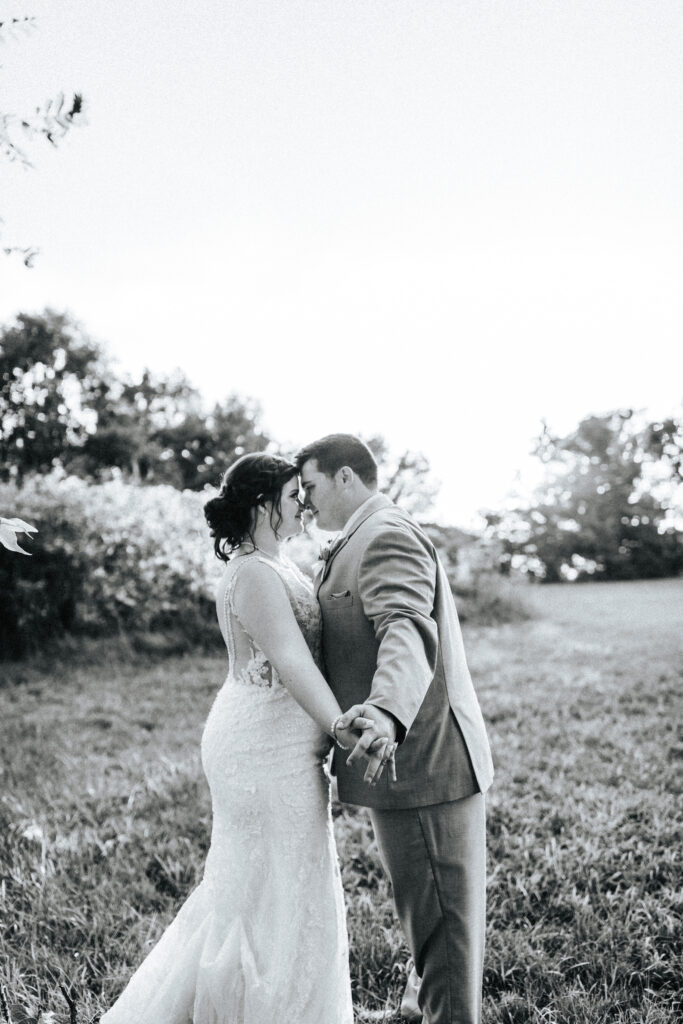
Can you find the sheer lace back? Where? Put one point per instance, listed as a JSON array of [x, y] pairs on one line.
[[248, 664]]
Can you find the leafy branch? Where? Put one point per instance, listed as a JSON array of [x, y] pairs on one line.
[[51, 121]]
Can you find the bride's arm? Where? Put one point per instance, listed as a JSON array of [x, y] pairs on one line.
[[261, 604]]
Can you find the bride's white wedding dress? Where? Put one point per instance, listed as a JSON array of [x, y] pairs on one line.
[[262, 939]]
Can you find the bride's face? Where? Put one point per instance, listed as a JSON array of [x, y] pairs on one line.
[[291, 510]]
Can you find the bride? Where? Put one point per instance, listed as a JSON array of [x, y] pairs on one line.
[[263, 936]]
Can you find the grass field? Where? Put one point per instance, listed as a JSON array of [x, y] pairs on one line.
[[105, 818]]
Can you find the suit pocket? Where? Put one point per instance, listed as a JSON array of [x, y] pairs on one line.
[[342, 599]]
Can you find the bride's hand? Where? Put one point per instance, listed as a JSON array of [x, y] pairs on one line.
[[348, 736], [378, 755]]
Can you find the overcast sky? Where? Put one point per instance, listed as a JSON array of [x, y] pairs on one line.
[[439, 220]]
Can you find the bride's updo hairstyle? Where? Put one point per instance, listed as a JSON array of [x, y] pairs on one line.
[[249, 483]]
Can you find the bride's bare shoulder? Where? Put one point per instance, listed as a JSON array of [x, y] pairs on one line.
[[257, 579]]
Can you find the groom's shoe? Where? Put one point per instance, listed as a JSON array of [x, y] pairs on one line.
[[409, 1008]]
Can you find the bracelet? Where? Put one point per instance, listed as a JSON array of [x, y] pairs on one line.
[[333, 732]]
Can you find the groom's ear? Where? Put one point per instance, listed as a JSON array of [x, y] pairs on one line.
[[345, 475]]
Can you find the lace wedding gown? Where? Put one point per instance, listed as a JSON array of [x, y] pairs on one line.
[[262, 939]]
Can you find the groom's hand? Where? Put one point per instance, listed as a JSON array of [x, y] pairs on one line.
[[374, 738], [372, 722], [378, 753]]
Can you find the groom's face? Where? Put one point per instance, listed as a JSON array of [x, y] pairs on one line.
[[323, 496]]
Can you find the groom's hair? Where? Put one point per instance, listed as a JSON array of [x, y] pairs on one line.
[[337, 450]]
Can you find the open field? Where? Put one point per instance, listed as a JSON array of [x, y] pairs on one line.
[[104, 818]]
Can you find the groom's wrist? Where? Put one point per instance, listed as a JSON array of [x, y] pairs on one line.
[[400, 729]]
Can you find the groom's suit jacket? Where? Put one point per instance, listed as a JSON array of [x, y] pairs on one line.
[[391, 636]]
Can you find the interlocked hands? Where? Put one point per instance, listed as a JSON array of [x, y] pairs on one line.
[[369, 733]]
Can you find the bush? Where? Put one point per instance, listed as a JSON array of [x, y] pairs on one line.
[[491, 600], [107, 558], [117, 558], [483, 596]]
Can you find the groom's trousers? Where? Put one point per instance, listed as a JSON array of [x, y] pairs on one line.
[[435, 857]]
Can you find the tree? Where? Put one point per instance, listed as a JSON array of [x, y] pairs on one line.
[[130, 417], [405, 478], [202, 447], [605, 507], [51, 121], [49, 370], [61, 403], [155, 431]]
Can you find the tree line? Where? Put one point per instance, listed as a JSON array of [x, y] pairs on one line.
[[63, 404], [608, 506]]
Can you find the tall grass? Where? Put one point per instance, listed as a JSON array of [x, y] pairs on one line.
[[104, 820]]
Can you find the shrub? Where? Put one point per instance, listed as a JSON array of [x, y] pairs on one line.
[[482, 595], [106, 558], [117, 558]]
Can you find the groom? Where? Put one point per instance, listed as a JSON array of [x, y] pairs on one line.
[[393, 650]]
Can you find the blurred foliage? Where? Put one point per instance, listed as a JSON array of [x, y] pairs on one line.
[[119, 559], [609, 506], [200, 448], [482, 595], [405, 478], [107, 558], [50, 373], [9, 531], [105, 467], [62, 404], [51, 121]]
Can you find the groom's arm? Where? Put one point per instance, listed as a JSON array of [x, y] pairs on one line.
[[397, 583]]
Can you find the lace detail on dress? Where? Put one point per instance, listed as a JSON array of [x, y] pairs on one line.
[[257, 670]]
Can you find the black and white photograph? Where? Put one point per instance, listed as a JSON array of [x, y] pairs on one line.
[[341, 511]]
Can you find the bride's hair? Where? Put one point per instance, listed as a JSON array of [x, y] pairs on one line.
[[248, 483]]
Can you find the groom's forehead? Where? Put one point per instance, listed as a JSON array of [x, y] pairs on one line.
[[308, 471]]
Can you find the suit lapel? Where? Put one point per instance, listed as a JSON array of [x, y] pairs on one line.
[[380, 501]]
